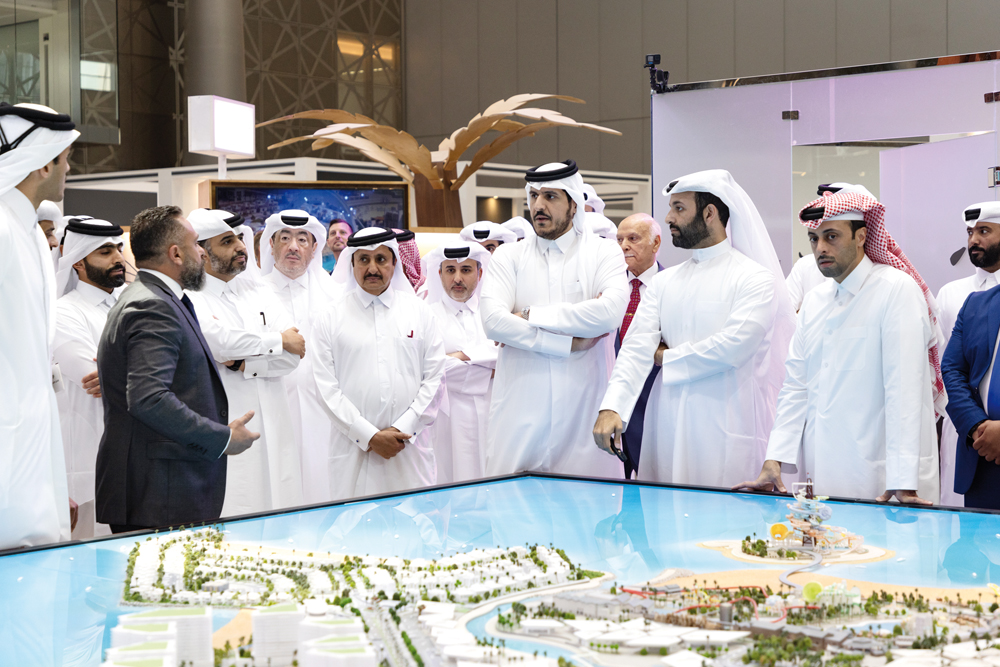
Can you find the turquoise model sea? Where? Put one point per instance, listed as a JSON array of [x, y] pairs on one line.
[[57, 605]]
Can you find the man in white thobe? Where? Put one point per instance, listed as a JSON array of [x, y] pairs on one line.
[[89, 281], [805, 274], [292, 265], [856, 412], [379, 364], [984, 253], [724, 320], [255, 346], [34, 503], [551, 302], [48, 217], [488, 234], [455, 273]]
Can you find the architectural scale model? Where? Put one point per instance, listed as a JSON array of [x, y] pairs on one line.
[[526, 606]]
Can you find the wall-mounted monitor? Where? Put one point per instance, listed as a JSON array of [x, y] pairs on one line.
[[362, 204]]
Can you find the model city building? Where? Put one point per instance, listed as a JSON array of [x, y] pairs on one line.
[[310, 608]]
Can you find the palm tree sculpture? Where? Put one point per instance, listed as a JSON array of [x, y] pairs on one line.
[[429, 171]]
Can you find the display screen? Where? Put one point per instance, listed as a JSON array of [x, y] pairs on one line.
[[59, 605], [360, 204]]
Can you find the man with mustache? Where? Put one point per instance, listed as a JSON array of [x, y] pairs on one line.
[[88, 285], [455, 275], [639, 238], [255, 346], [292, 267], [984, 253], [378, 364], [856, 411], [551, 302], [720, 324], [970, 435], [162, 458]]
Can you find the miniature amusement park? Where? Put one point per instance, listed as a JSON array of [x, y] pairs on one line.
[[533, 605]]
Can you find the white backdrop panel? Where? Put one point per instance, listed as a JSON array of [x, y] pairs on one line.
[[925, 188], [739, 129], [886, 105]]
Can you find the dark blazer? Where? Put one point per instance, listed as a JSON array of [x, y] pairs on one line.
[[633, 431], [160, 460], [964, 365]]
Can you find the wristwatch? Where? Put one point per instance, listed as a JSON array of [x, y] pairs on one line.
[[525, 311]]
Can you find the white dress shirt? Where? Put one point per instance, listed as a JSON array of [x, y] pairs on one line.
[[379, 362], [459, 432], [545, 397], [34, 503], [950, 299], [856, 412], [304, 299], [707, 420], [80, 318], [242, 321]]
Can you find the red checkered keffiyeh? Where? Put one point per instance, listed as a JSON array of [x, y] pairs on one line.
[[409, 255], [882, 249]]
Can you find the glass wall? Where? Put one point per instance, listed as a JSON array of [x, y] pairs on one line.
[[63, 54], [921, 136]]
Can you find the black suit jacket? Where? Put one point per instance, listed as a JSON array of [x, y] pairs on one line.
[[160, 460]]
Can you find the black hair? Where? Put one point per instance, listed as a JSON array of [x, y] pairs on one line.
[[154, 230], [703, 199], [855, 226]]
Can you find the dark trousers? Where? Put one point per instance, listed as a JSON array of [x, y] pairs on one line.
[[985, 490]]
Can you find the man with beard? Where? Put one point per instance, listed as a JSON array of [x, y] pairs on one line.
[[378, 364], [984, 253], [456, 271], [292, 266], [551, 302], [89, 282], [723, 321], [160, 462], [856, 412], [336, 241], [971, 432], [254, 346]]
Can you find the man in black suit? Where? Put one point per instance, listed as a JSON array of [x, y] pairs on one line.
[[160, 461], [639, 237]]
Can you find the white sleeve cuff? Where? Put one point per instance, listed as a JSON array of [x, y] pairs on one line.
[[408, 423], [553, 344], [256, 367], [271, 344], [361, 433]]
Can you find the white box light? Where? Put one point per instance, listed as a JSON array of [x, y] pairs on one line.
[[221, 127]]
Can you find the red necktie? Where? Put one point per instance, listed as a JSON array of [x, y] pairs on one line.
[[633, 303]]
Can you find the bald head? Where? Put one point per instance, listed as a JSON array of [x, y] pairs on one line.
[[639, 238]]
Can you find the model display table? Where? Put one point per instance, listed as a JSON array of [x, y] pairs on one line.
[[521, 570]]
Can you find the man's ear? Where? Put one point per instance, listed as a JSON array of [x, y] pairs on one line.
[[174, 255]]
